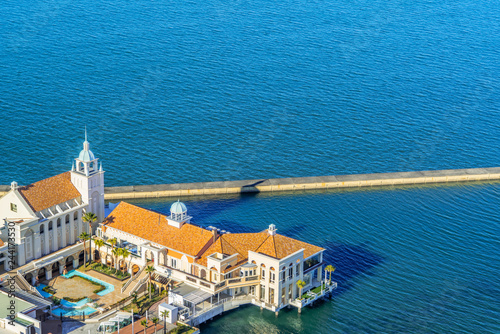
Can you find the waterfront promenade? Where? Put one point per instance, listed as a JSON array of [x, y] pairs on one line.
[[299, 183]]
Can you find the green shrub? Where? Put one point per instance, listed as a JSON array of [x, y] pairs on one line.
[[56, 300], [74, 300], [49, 289]]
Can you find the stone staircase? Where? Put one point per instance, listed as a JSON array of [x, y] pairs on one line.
[[134, 285]]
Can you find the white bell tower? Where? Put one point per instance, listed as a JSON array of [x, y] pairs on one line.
[[89, 181]]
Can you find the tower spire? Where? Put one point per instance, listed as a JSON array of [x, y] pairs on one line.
[[86, 145]]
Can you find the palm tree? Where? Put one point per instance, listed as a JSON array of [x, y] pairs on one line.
[[164, 314], [144, 324], [149, 270], [155, 321], [89, 218], [84, 236], [301, 284], [330, 269], [116, 253], [113, 242], [125, 253], [99, 243]]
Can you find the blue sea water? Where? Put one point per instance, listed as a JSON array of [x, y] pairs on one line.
[[408, 259], [184, 91]]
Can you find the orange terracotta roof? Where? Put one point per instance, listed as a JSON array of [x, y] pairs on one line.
[[152, 226], [277, 246], [1, 243], [49, 192]]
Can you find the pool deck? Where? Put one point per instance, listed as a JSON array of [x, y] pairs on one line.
[[79, 288]]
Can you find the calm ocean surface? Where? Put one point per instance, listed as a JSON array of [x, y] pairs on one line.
[[184, 91]]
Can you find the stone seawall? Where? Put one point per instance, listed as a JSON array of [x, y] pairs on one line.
[[299, 183]]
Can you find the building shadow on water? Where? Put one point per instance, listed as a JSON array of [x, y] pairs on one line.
[[351, 261]]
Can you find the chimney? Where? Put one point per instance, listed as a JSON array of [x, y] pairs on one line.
[[272, 229], [13, 185], [214, 232]]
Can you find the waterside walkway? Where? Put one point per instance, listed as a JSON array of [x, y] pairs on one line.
[[299, 183]]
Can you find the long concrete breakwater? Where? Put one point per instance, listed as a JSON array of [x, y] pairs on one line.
[[299, 183]]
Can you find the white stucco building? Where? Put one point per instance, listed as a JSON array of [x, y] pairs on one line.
[[44, 219]]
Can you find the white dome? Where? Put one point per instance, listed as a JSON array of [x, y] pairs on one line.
[[178, 208], [86, 155]]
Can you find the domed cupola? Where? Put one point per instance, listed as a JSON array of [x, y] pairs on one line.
[[178, 214], [86, 154], [86, 163]]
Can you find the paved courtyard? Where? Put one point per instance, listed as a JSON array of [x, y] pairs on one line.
[[74, 287], [77, 287]]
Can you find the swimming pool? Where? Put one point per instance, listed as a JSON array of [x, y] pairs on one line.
[[73, 312], [109, 287], [73, 309]]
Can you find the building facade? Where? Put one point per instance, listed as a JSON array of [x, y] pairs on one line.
[[264, 266], [44, 219]]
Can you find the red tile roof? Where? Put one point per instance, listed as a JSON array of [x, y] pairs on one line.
[[277, 246], [49, 192], [152, 226]]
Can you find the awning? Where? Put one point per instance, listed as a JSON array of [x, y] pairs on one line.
[[197, 296]]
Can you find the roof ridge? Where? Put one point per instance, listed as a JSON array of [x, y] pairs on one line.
[[267, 237], [274, 244], [230, 244]]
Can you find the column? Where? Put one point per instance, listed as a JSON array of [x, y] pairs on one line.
[[55, 241], [61, 267], [71, 230], [33, 279], [48, 273], [47, 240], [75, 262], [63, 233], [155, 258]]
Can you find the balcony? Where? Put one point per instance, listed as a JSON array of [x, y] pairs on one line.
[[243, 281], [309, 296]]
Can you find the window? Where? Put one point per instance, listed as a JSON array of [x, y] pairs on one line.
[[13, 207], [272, 276], [297, 270], [290, 273], [174, 263], [263, 273]]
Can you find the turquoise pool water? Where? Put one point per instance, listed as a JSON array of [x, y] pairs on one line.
[[72, 309], [73, 312]]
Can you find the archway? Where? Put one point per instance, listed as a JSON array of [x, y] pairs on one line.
[[135, 269], [97, 255], [81, 259], [41, 274], [69, 263], [203, 273], [110, 261], [28, 277], [55, 268]]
